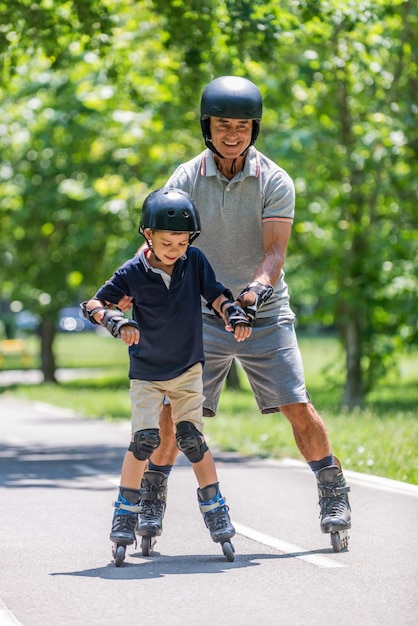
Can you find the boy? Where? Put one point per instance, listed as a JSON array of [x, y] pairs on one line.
[[166, 282]]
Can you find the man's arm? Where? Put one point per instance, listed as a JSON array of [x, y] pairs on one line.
[[276, 236]]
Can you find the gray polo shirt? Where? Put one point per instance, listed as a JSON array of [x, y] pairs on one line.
[[232, 213]]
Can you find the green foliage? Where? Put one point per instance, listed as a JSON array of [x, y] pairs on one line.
[[100, 101]]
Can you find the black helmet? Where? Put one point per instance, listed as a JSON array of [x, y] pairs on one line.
[[230, 97], [170, 209]]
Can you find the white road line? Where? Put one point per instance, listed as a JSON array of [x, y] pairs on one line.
[[296, 551], [367, 480], [6, 617], [287, 548]]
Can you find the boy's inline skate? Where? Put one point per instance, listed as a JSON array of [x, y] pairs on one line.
[[153, 494], [125, 519], [216, 517], [335, 511]]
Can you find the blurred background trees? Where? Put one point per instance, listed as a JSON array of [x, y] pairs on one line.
[[100, 101]]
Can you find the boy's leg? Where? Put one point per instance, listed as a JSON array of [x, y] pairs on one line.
[[211, 502], [127, 505], [145, 403]]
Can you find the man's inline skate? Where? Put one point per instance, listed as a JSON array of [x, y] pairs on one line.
[[125, 519], [153, 495], [335, 511], [216, 517]]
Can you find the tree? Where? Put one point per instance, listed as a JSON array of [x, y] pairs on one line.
[[354, 125], [97, 111], [69, 190]]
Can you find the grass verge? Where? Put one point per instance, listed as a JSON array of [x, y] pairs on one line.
[[379, 439]]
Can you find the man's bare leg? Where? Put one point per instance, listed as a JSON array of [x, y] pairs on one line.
[[309, 430], [167, 451], [312, 440]]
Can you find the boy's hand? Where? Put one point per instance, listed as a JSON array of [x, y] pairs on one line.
[[241, 331], [129, 335], [236, 321]]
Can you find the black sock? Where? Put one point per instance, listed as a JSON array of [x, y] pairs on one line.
[[165, 469]]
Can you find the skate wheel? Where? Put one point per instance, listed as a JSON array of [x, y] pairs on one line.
[[335, 542], [119, 555], [339, 540], [146, 546], [228, 550]]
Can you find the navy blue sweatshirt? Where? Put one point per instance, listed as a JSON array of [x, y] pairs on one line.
[[169, 320]]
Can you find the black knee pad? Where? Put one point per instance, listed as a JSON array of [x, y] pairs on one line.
[[189, 441], [144, 443]]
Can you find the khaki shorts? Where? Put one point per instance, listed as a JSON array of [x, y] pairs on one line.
[[186, 397]]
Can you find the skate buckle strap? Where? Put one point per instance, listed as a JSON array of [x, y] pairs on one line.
[[205, 507], [152, 492], [331, 490], [134, 508]]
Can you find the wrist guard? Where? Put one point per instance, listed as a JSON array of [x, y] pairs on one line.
[[234, 314], [89, 315], [263, 293], [228, 294], [113, 321]]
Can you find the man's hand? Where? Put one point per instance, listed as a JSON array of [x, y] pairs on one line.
[[125, 303]]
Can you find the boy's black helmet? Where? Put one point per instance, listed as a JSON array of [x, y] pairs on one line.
[[170, 209], [230, 97]]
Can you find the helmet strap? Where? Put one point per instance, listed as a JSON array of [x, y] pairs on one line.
[[151, 249], [209, 144]]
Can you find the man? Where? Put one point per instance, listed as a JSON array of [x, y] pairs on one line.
[[246, 203]]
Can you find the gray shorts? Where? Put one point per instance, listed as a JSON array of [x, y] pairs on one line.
[[270, 357]]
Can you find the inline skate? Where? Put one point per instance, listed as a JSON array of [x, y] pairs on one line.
[[124, 522], [216, 517], [335, 508], [153, 495]]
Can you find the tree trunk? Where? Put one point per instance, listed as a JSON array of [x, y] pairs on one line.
[[47, 333], [354, 387], [232, 380]]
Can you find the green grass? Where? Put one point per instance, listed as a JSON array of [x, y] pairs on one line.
[[380, 439]]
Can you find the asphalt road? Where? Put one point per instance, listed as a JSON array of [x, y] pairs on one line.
[[59, 476]]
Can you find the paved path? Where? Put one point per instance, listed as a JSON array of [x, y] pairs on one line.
[[58, 477], [34, 377]]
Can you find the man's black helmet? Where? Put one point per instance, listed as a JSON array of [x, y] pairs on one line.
[[170, 209], [230, 97]]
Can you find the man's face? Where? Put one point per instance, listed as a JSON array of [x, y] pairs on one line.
[[229, 136]]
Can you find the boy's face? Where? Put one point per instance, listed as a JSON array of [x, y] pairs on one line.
[[168, 246]]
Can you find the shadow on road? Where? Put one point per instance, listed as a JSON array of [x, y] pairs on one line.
[[58, 467], [160, 566]]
